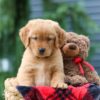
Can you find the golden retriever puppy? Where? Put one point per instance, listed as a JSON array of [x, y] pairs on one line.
[[42, 63]]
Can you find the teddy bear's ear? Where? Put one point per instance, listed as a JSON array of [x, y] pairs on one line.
[[86, 39], [71, 35]]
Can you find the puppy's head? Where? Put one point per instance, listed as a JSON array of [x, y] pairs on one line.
[[42, 37]]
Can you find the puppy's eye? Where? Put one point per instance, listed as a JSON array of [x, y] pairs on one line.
[[75, 42], [34, 38], [49, 39], [68, 41]]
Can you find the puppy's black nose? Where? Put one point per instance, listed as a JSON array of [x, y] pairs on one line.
[[41, 50], [72, 47]]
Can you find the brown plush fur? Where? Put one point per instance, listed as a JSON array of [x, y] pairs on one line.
[[77, 45], [42, 68]]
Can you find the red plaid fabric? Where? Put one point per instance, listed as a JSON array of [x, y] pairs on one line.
[[85, 92]]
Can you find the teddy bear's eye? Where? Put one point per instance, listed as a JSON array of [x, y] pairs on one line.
[[74, 42], [68, 41]]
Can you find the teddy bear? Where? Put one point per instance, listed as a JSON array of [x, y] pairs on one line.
[[77, 70]]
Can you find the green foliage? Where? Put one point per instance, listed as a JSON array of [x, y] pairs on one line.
[[71, 15], [7, 15], [7, 24], [13, 15]]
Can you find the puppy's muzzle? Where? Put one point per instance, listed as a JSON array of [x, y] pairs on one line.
[[41, 50]]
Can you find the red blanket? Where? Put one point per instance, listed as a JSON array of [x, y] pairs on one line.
[[85, 92]]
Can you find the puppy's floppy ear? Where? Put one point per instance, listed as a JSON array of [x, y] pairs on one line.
[[61, 36], [24, 36]]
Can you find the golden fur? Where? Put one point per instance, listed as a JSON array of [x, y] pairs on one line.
[[47, 68]]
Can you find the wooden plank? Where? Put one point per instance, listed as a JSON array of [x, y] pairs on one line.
[[95, 64], [36, 15], [95, 37], [36, 10], [96, 58], [35, 2]]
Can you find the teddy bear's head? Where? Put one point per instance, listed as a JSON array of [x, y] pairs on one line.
[[76, 45]]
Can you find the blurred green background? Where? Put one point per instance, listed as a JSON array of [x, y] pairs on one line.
[[81, 16]]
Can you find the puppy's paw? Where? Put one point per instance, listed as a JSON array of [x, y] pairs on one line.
[[59, 85]]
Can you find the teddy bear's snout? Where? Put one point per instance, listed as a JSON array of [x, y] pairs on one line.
[[72, 47]]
